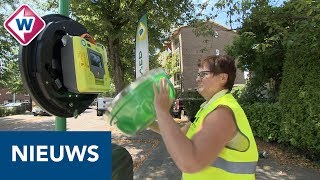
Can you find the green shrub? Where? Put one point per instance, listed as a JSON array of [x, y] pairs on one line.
[[1, 111], [192, 106], [299, 95], [5, 111], [192, 102], [264, 119], [257, 92]]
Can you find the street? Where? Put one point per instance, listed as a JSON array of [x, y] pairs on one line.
[[87, 121]]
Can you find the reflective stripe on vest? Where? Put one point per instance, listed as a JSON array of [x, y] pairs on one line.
[[235, 167]]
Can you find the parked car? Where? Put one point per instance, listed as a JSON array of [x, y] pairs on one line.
[[178, 107], [39, 111], [19, 107], [102, 105], [13, 105], [27, 105], [189, 107]]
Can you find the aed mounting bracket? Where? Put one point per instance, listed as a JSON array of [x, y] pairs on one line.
[[41, 71]]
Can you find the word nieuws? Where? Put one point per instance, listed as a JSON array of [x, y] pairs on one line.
[[42, 153]]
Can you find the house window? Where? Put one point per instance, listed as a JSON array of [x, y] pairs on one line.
[[217, 52], [176, 44], [177, 79], [216, 34]]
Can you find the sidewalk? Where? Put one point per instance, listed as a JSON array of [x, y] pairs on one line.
[[152, 161]]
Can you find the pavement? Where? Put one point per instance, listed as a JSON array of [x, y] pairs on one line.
[[150, 157]]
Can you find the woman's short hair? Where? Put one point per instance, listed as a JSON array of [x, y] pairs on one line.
[[221, 64]]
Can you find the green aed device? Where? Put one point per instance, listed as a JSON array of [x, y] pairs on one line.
[[84, 66]]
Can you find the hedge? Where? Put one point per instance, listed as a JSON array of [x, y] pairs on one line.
[[192, 106], [264, 119], [192, 103], [5, 111], [300, 90]]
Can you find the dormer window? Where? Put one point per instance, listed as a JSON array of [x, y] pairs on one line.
[[216, 34]]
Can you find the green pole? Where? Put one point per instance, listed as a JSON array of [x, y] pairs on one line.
[[60, 122], [64, 7]]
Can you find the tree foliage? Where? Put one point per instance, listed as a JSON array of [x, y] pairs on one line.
[[5, 38], [260, 49], [286, 40], [299, 95], [9, 74], [169, 62]]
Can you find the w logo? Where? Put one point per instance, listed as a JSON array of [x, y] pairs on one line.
[[24, 25]]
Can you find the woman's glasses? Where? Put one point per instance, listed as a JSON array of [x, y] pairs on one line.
[[202, 74]]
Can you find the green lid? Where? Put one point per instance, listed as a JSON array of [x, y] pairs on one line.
[[132, 110]]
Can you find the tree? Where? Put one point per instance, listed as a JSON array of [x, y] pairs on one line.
[[113, 23], [169, 62], [260, 49], [299, 95], [10, 76]]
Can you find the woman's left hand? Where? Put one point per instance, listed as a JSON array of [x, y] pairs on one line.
[[162, 102]]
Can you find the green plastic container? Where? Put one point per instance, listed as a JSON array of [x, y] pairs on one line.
[[132, 110]]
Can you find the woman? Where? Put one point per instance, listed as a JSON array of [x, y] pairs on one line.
[[219, 144]]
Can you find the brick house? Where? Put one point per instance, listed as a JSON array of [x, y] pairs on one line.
[[189, 47], [6, 96]]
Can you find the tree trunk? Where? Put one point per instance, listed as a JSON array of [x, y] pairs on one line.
[[114, 59]]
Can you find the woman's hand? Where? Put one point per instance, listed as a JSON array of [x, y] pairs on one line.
[[162, 102]]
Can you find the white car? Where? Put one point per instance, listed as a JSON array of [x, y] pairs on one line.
[[38, 111], [9, 105], [102, 105]]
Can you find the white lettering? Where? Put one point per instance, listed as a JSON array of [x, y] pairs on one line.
[[61, 152], [75, 150], [23, 156], [94, 154], [42, 151], [31, 153]]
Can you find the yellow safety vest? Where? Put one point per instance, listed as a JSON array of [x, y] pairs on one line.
[[231, 164]]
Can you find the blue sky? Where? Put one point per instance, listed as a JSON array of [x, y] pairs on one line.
[[222, 17]]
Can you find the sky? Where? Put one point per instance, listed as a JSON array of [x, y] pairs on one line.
[[222, 17]]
